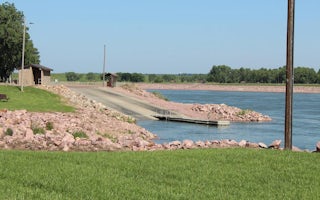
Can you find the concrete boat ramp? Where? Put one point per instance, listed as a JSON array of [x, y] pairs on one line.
[[137, 108]]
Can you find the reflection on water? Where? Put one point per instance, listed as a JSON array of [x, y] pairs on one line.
[[306, 118]]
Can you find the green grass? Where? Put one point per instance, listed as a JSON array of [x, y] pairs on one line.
[[79, 134], [190, 174], [61, 77], [32, 99], [58, 76], [107, 135], [37, 129], [243, 112]]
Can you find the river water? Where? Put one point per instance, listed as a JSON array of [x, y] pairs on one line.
[[305, 128]]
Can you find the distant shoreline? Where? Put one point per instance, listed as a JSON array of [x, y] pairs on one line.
[[239, 88]]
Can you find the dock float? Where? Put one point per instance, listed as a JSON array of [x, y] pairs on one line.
[[194, 121]]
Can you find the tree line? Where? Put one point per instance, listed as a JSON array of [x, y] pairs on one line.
[[225, 74], [11, 40], [217, 74]]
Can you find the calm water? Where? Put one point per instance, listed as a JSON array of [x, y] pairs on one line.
[[306, 118]]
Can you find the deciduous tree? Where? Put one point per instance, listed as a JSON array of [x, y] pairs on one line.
[[72, 76], [11, 35]]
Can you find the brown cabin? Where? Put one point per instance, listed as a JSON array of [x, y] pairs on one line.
[[35, 74], [111, 79]]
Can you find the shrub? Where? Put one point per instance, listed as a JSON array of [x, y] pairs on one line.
[[37, 129], [72, 76], [243, 112], [49, 126], [130, 132], [9, 132], [80, 134], [91, 76], [131, 120], [107, 135]]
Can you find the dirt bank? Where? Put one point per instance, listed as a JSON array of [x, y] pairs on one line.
[[241, 88]]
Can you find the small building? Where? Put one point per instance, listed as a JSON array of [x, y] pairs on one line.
[[35, 74], [111, 79]]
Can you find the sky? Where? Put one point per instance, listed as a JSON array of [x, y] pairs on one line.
[[169, 36]]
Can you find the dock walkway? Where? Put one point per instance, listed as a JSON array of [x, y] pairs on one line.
[[194, 121]]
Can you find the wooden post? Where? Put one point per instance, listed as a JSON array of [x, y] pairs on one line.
[[22, 56], [104, 67], [289, 76]]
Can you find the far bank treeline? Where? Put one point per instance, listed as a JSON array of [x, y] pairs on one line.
[[217, 74]]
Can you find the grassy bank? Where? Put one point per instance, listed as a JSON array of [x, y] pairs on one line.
[[193, 174], [32, 99]]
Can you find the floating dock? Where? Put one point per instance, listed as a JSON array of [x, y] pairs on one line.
[[194, 121]]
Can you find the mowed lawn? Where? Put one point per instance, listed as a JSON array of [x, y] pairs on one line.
[[32, 99], [186, 174]]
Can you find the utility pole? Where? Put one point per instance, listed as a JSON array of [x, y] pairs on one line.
[[104, 67], [22, 59], [289, 76]]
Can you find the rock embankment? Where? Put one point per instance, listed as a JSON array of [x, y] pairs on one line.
[[92, 127], [189, 144], [230, 113]]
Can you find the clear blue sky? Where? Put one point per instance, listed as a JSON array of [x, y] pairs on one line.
[[170, 36]]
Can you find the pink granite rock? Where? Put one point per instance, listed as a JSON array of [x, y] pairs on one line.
[[141, 142], [229, 143], [188, 144], [252, 145], [318, 147], [66, 148], [29, 134], [275, 144], [243, 143], [262, 145], [200, 144], [175, 143], [1, 132], [296, 149], [67, 139], [215, 142]]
